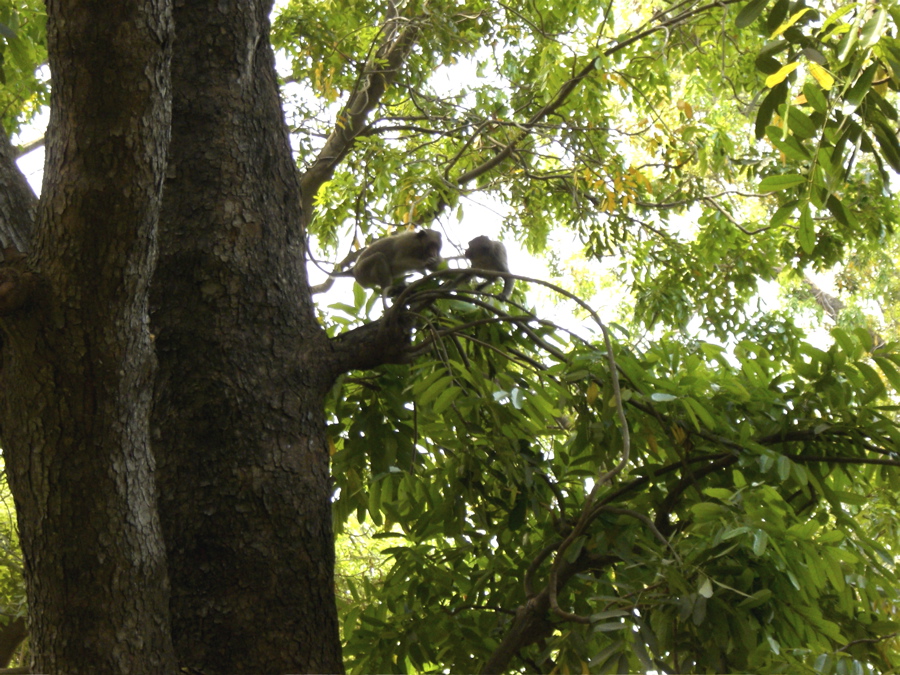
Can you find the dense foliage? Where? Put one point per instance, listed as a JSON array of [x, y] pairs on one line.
[[742, 518]]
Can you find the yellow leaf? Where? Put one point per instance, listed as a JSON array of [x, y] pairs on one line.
[[881, 81], [783, 72], [593, 392], [823, 77], [331, 448], [686, 108], [610, 204], [791, 21]]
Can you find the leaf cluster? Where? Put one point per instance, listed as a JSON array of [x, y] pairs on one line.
[[750, 530], [23, 90]]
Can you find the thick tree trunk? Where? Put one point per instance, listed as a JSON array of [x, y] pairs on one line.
[[238, 420], [77, 358]]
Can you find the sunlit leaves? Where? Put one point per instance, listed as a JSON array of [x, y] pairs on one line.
[[750, 457], [841, 59], [23, 90], [782, 73], [822, 76]]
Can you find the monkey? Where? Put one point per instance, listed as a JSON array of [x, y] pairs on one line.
[[487, 254], [383, 261]]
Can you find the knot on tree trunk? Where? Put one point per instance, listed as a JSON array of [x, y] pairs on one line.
[[17, 283]]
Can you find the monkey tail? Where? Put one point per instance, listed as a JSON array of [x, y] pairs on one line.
[[329, 282], [508, 285], [324, 286]]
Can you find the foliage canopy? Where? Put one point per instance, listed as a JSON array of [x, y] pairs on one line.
[[708, 147]]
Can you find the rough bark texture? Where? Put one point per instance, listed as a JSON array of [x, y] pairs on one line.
[[77, 359], [17, 201], [11, 636], [238, 420]]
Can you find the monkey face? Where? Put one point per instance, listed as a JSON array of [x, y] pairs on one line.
[[430, 242], [479, 245]]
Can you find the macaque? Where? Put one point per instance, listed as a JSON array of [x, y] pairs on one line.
[[486, 254], [386, 260]]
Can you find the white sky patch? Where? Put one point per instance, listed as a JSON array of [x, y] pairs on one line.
[[32, 163]]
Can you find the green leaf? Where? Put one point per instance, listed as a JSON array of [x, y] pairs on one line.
[[783, 213], [708, 511], [848, 345], [760, 542], [575, 549], [446, 398], [807, 232], [719, 493], [750, 13], [790, 146], [890, 147], [846, 45], [708, 421], [860, 88], [518, 513], [832, 537], [814, 56], [374, 502], [801, 123], [873, 29], [22, 52], [841, 214], [768, 107], [783, 468], [890, 372], [759, 598], [781, 182], [778, 14], [815, 97], [698, 615]]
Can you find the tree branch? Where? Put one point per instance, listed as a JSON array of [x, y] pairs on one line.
[[18, 203], [399, 35]]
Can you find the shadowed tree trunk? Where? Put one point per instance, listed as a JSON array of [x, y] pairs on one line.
[[239, 424], [233, 403], [77, 360]]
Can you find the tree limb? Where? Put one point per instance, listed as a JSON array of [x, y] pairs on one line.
[[399, 35], [18, 203]]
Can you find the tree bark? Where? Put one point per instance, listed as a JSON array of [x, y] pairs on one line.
[[238, 420], [11, 636], [77, 358]]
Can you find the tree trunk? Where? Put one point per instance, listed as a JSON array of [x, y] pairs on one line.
[[238, 421], [77, 357]]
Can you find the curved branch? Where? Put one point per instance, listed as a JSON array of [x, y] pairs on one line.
[[399, 35]]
